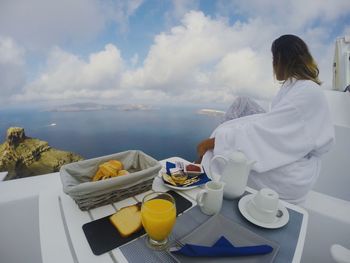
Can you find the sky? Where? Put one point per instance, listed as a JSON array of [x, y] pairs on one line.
[[156, 51]]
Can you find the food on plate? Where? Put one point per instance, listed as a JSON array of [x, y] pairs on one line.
[[167, 178], [109, 169], [191, 181], [179, 177], [127, 220], [187, 182], [193, 168], [175, 170]]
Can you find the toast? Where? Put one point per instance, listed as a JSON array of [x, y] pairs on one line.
[[127, 220]]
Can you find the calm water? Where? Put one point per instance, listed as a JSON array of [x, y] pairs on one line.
[[160, 133]]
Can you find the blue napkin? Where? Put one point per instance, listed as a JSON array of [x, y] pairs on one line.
[[222, 248], [203, 178]]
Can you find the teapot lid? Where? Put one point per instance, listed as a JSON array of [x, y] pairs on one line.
[[239, 156]]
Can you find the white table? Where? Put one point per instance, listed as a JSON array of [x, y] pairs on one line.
[[60, 221]]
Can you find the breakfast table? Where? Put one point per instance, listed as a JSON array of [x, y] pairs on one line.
[[62, 239]]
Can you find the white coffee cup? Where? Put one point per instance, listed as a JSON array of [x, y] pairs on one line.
[[210, 199], [264, 205]]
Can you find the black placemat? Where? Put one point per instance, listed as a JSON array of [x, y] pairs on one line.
[[103, 236]]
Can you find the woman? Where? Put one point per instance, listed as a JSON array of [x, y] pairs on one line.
[[288, 141]]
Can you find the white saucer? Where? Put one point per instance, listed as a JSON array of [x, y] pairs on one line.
[[277, 223]]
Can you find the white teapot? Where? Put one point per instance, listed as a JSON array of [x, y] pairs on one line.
[[235, 169]]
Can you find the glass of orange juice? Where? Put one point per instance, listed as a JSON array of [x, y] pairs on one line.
[[158, 213]]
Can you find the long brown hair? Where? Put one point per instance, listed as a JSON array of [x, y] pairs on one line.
[[292, 59]]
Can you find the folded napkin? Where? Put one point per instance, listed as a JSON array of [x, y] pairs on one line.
[[203, 178], [222, 248]]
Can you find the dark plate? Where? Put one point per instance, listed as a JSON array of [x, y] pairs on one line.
[[103, 236]]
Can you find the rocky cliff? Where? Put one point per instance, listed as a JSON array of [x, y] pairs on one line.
[[23, 156]]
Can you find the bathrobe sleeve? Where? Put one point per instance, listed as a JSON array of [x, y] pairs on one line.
[[272, 139]]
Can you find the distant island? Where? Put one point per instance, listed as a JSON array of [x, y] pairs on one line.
[[90, 106], [211, 112]]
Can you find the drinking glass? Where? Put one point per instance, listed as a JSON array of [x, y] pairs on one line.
[[158, 213]]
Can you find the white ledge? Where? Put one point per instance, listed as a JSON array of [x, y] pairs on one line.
[[3, 175]]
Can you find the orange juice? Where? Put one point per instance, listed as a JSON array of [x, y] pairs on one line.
[[158, 218]]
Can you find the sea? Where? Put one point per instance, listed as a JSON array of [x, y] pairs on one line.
[[160, 132]]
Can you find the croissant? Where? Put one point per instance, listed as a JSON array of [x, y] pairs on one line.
[[98, 176], [109, 169], [117, 165]]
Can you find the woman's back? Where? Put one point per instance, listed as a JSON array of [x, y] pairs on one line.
[[286, 142], [314, 135]]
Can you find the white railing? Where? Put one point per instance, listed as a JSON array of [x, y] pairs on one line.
[[341, 64]]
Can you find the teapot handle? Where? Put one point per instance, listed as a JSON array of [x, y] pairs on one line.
[[216, 177]]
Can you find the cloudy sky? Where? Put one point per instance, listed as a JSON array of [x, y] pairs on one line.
[[156, 50]]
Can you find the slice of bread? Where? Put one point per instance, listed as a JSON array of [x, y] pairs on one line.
[[127, 220]]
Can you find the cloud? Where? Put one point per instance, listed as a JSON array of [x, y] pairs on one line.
[[182, 62], [41, 24], [317, 22], [181, 7], [68, 76], [120, 11], [12, 67], [293, 14], [243, 69], [203, 58]]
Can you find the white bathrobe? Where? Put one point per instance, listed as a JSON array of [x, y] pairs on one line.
[[286, 142]]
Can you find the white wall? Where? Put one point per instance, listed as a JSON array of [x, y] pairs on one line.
[[334, 179], [329, 223], [19, 231], [339, 105]]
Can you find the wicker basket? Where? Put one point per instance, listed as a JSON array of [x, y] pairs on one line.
[[76, 179]]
